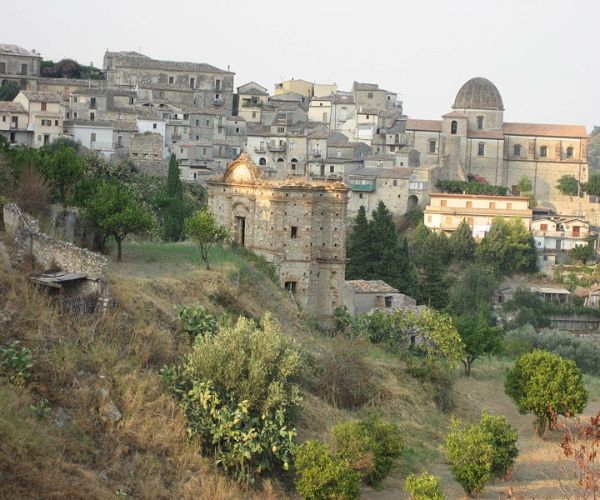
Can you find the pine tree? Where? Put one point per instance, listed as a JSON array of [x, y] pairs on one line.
[[433, 289], [357, 249], [462, 243], [174, 204]]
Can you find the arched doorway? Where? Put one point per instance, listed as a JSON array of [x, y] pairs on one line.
[[294, 164], [413, 202], [262, 161]]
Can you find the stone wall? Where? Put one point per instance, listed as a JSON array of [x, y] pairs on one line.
[[146, 153], [28, 242]]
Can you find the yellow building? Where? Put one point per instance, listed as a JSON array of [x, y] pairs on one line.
[[446, 211]]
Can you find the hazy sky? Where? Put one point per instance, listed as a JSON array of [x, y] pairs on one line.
[[541, 54]]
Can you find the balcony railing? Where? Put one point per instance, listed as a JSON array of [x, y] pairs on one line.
[[362, 187], [218, 102], [277, 147], [101, 146], [260, 149]]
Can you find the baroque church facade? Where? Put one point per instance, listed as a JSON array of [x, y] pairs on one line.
[[474, 140]]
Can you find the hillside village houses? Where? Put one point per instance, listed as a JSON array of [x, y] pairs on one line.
[[146, 109]]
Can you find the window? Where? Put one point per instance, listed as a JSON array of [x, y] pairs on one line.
[[392, 149], [569, 152], [544, 151], [517, 150], [74, 98], [253, 114], [360, 195], [171, 80], [509, 206], [432, 146], [120, 141], [395, 182], [74, 114], [480, 123], [492, 204], [290, 286], [131, 100], [56, 123], [237, 130], [280, 130], [92, 102], [469, 204], [331, 169], [92, 116], [294, 232], [370, 96], [481, 149], [217, 84], [454, 127], [2, 67], [543, 227], [448, 220], [154, 125], [44, 106], [388, 301], [23, 69], [443, 203], [471, 221], [93, 137], [192, 83]]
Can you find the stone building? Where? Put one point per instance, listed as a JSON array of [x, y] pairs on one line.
[[363, 297], [199, 84], [19, 65], [13, 123], [251, 98], [45, 114], [474, 139], [296, 224]]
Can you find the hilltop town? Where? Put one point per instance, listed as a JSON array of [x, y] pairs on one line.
[[213, 290]]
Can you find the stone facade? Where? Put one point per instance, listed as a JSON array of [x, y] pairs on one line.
[[146, 153], [20, 65], [297, 225], [28, 242]]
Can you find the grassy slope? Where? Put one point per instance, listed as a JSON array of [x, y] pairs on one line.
[[146, 454]]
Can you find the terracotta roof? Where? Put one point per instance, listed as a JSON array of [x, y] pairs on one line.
[[425, 125], [480, 196], [539, 129], [478, 93], [486, 134], [372, 286], [11, 107], [41, 96]]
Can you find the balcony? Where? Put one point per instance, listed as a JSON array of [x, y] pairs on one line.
[[14, 125], [101, 146], [365, 188], [218, 102], [260, 149], [277, 147]]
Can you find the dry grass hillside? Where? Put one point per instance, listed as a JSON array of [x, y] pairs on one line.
[[83, 364]]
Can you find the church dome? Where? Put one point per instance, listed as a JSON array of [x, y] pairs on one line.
[[478, 93]]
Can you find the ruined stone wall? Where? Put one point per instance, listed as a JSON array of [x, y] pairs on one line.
[[300, 227], [29, 242], [146, 153]]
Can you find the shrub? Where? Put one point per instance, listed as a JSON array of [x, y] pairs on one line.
[[15, 363], [423, 487], [470, 454], [503, 438], [344, 378], [196, 320], [260, 364], [546, 385], [371, 446], [32, 191], [322, 475]]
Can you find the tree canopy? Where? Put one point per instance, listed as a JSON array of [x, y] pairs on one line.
[[9, 90], [568, 185], [205, 231], [174, 204]]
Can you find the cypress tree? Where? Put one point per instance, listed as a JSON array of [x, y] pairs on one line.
[[174, 204], [462, 243], [358, 247]]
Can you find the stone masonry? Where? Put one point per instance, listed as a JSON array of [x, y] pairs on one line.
[[296, 224]]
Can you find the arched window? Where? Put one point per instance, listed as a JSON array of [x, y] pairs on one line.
[[262, 161], [480, 123], [570, 152], [543, 151], [481, 149], [454, 127], [279, 160], [294, 163], [517, 150]]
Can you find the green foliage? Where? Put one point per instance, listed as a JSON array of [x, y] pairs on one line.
[[377, 251], [63, 168], [41, 409], [583, 253], [115, 211], [545, 384], [425, 486], [479, 339], [260, 364], [472, 293], [411, 219], [324, 476], [205, 231], [242, 442], [196, 320], [503, 438], [175, 209], [237, 390], [568, 185], [462, 243], [371, 446], [471, 187], [508, 247], [470, 455], [9, 90], [15, 363], [524, 185], [592, 186]]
